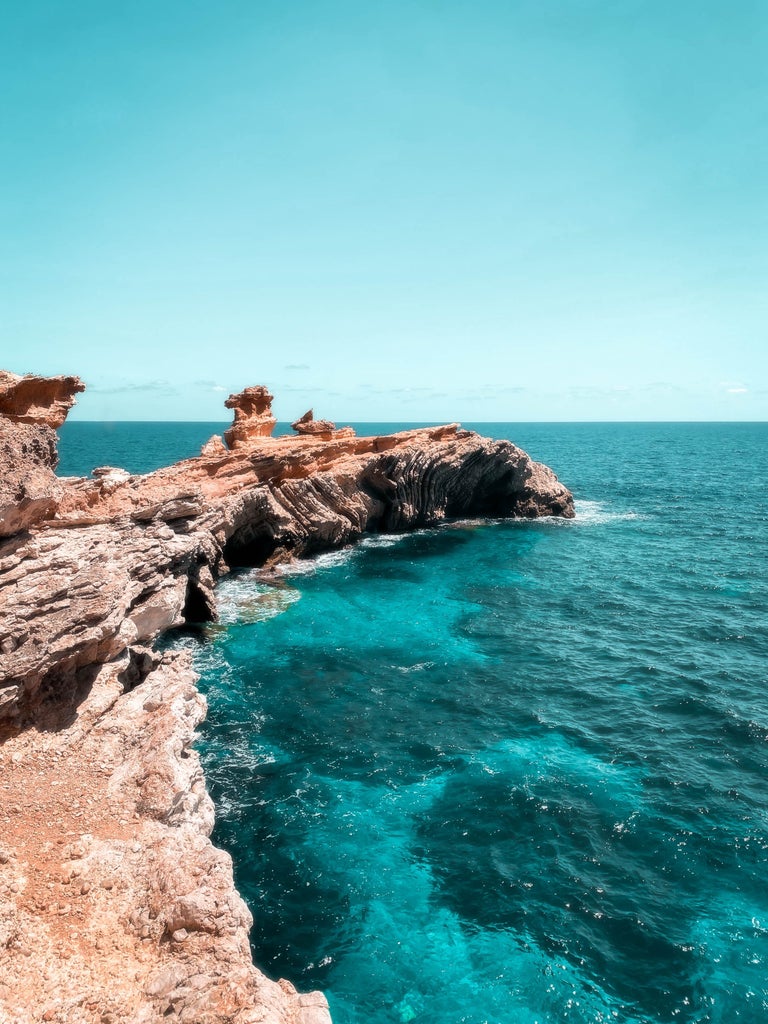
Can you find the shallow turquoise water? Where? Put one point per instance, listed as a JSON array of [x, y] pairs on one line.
[[515, 772]]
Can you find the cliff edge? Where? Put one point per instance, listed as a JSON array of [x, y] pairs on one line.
[[114, 905]]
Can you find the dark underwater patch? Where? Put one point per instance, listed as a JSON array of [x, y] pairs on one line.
[[554, 869]]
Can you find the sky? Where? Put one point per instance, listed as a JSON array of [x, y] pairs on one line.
[[426, 211]]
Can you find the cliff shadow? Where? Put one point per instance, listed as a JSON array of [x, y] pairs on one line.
[[61, 698]]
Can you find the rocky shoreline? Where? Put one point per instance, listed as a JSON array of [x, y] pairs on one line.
[[115, 904]]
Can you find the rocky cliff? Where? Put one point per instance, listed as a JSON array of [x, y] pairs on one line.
[[115, 905], [31, 408]]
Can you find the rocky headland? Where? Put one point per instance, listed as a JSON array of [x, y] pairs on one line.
[[114, 904]]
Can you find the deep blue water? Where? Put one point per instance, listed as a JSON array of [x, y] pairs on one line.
[[514, 772]]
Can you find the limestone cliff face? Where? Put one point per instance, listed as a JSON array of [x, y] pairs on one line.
[[115, 905], [152, 924]]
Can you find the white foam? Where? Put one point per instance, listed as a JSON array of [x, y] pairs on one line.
[[245, 597], [382, 540], [307, 566], [471, 524], [598, 512]]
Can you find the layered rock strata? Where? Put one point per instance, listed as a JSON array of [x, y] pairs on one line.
[[128, 884]]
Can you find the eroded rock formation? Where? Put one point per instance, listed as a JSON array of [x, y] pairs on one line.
[[307, 425], [41, 400], [104, 817], [253, 416]]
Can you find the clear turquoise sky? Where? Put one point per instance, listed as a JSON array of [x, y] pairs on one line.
[[532, 209]]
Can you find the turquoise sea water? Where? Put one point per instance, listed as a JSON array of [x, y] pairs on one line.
[[513, 772]]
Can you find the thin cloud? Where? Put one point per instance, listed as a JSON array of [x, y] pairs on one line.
[[507, 389], [589, 391], [209, 385], [486, 393], [297, 366], [160, 386], [424, 395], [661, 385]]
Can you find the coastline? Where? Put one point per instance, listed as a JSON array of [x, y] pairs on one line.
[[93, 572]]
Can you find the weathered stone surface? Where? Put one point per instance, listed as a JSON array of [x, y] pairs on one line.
[[117, 564], [153, 927], [31, 408], [325, 429], [114, 904], [41, 400], [70, 598], [253, 416], [214, 446], [29, 490]]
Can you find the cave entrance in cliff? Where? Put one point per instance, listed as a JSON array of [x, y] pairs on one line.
[[246, 550]]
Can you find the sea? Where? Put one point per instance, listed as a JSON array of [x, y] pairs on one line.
[[506, 772]]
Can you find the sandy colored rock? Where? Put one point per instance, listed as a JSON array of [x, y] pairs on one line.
[[31, 408], [121, 558], [307, 425], [98, 881], [40, 400], [29, 489], [253, 416]]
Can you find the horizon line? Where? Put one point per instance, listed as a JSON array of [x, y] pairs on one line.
[[428, 423]]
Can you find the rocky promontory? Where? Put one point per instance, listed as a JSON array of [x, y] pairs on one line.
[[114, 905]]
